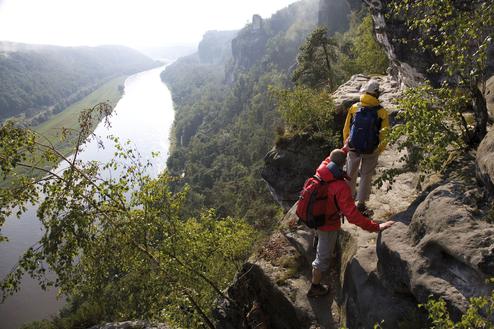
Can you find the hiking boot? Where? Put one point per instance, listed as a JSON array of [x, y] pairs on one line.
[[367, 212], [317, 290]]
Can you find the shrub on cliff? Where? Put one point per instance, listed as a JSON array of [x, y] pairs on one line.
[[308, 111], [433, 130], [478, 314]]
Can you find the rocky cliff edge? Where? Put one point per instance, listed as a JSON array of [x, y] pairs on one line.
[[442, 246]]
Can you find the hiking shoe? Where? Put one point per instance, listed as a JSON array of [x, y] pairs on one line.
[[362, 208], [317, 290]]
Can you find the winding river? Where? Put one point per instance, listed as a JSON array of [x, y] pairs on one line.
[[143, 115]]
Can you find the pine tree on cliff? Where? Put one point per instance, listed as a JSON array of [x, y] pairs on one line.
[[315, 60]]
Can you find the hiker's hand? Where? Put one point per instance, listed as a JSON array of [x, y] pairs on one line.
[[386, 225]]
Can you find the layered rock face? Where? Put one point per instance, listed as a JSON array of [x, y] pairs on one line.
[[248, 48], [446, 251], [409, 64]]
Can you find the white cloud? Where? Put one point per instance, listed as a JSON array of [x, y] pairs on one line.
[[129, 22]]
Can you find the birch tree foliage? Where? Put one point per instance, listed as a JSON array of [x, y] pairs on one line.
[[122, 242]]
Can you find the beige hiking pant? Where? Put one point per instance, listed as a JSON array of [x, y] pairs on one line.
[[367, 164]]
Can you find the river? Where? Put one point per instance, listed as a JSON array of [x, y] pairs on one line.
[[143, 115]]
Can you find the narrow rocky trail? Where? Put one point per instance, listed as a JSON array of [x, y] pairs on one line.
[[442, 245]]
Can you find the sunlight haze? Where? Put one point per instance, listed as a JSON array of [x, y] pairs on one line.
[[127, 22]]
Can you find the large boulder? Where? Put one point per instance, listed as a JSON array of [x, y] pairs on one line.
[[447, 254], [485, 161], [489, 97]]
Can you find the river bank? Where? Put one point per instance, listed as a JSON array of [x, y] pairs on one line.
[[143, 115]]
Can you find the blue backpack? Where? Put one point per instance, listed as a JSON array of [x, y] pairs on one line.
[[364, 131]]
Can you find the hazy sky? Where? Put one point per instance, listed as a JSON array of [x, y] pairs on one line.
[[129, 22]]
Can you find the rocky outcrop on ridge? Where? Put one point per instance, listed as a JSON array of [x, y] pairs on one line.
[[290, 162]]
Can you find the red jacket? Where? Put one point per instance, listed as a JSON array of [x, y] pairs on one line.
[[339, 191], [340, 200]]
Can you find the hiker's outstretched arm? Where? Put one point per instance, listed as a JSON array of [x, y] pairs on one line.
[[349, 210]]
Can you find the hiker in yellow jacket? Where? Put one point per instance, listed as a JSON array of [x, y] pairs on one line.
[[366, 137]]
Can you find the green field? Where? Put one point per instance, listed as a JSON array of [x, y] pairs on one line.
[[69, 118]]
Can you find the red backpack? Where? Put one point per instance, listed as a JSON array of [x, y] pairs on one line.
[[313, 206]]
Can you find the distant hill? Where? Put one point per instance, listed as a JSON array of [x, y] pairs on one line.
[[168, 52], [46, 79]]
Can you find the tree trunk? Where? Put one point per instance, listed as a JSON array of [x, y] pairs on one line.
[[479, 107], [328, 66]]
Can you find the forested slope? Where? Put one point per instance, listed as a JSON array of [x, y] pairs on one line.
[[45, 79], [225, 117]]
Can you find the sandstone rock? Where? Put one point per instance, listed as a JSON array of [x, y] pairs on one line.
[[489, 97], [485, 161], [408, 64], [368, 300], [273, 284], [349, 93], [445, 252], [289, 164]]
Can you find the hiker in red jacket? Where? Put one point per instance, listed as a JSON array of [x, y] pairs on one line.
[[339, 193]]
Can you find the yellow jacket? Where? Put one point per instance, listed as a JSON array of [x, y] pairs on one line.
[[368, 100]]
